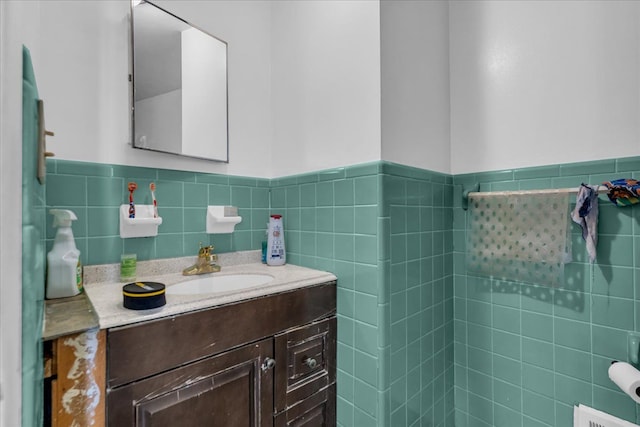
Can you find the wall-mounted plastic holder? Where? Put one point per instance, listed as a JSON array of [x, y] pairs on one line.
[[143, 225], [633, 343], [222, 219]]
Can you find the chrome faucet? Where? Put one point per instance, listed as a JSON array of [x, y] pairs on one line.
[[204, 264]]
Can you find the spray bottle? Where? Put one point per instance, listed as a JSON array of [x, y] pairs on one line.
[[64, 270]]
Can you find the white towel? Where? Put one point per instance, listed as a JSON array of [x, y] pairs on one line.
[[520, 237]]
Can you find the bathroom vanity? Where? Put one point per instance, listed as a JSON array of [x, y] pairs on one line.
[[262, 356], [259, 362]]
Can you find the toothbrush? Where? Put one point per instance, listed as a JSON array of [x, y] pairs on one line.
[[132, 209], [152, 187]]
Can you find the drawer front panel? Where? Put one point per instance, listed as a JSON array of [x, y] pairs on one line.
[[318, 410], [306, 359]]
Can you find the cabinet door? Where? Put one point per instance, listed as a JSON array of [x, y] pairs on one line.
[[228, 390]]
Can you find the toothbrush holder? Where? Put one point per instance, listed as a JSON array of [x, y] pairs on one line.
[[143, 225]]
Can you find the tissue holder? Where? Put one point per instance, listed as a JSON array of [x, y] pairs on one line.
[[143, 225], [222, 219], [627, 378]]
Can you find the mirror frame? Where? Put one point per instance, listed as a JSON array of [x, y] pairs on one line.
[[131, 77]]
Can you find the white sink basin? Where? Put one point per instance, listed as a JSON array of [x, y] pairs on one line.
[[214, 284]]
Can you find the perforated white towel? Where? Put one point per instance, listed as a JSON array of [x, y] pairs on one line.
[[521, 237]]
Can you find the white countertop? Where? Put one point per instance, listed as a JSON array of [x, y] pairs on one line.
[[106, 296]]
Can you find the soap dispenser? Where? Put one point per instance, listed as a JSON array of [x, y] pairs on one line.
[[276, 254], [64, 270]]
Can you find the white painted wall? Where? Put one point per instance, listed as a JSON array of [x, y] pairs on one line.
[[537, 83], [164, 134], [326, 84], [415, 83], [18, 26], [86, 56], [320, 110], [531, 83]]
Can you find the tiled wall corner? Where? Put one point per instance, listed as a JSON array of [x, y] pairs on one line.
[[417, 211]]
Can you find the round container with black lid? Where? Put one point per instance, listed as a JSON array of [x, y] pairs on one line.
[[143, 295]]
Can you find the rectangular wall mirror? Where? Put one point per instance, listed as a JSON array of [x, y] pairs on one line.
[[179, 86]]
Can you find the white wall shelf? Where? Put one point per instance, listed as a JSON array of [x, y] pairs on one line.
[[218, 222]]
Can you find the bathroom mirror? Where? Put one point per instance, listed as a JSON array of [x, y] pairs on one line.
[[179, 86]]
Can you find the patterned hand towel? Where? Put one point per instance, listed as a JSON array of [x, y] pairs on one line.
[[623, 192], [585, 214]]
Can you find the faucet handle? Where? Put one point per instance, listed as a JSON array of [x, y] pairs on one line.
[[204, 251]]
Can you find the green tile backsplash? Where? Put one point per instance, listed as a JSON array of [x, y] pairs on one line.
[[95, 192], [420, 341]]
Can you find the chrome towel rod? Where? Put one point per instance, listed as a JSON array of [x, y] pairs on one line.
[[574, 190], [472, 191]]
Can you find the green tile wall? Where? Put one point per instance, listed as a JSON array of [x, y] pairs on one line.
[[33, 255], [525, 354], [95, 192], [420, 342]]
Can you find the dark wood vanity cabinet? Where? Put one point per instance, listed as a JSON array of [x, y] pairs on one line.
[[268, 361]]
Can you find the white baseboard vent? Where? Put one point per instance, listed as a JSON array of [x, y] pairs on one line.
[[584, 416]]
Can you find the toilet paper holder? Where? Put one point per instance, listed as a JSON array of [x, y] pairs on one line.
[[626, 377], [633, 348]]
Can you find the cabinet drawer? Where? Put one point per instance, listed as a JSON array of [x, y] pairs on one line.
[[306, 358], [318, 410], [305, 362]]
